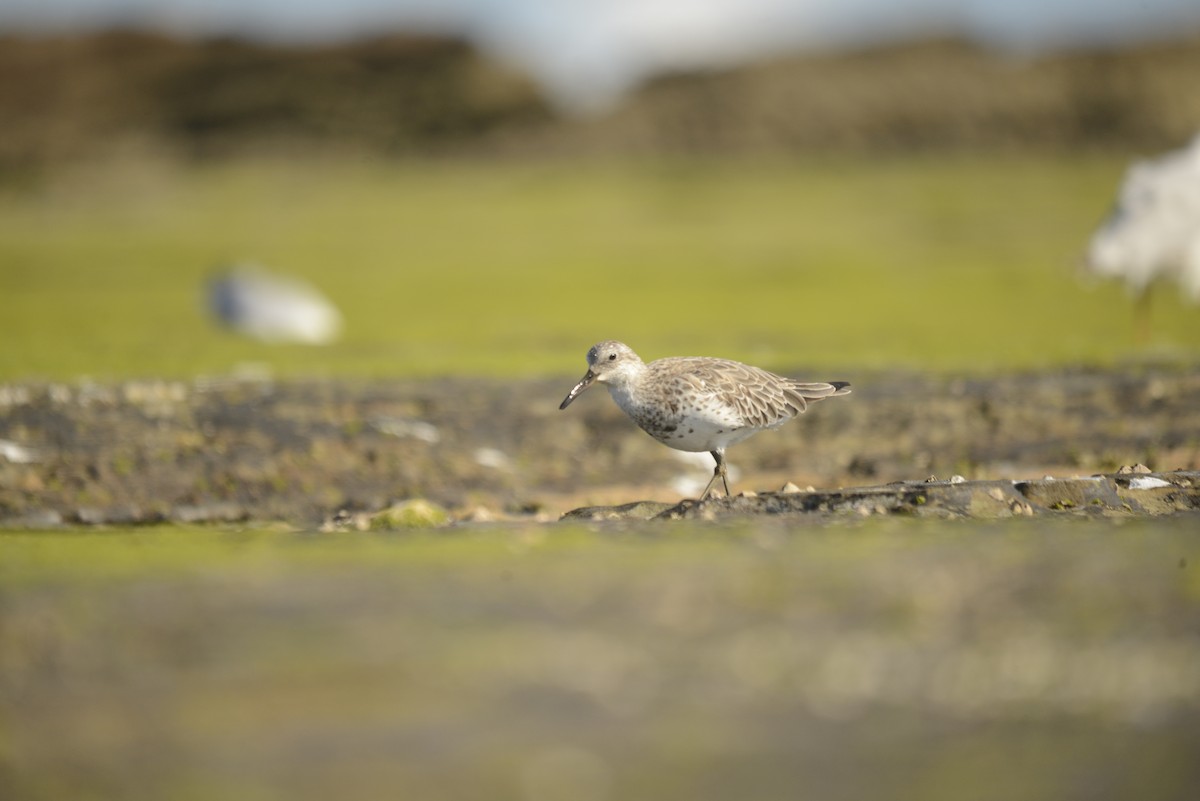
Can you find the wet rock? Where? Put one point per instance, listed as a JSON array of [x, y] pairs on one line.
[[189, 514], [1160, 493], [40, 518], [347, 520], [89, 516], [1100, 495], [638, 510], [413, 513], [114, 516], [1080, 494], [478, 514]]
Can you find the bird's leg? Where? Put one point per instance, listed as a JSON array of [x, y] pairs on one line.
[[718, 472], [1141, 317]]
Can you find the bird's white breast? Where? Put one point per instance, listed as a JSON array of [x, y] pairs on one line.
[[696, 422]]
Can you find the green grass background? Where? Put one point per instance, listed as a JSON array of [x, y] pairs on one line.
[[500, 268]]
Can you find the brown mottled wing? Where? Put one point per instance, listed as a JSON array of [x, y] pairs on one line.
[[761, 398]]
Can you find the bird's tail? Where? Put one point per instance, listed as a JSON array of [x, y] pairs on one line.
[[802, 394], [821, 389]]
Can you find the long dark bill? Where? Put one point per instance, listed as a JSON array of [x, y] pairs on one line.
[[583, 384]]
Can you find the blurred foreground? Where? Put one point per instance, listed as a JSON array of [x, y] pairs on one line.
[[891, 659]]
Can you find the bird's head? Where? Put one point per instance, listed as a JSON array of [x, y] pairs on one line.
[[609, 362]]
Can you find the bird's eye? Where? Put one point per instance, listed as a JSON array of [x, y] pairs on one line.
[[612, 357]]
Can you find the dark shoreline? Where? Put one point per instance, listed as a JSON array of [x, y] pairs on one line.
[[145, 452]]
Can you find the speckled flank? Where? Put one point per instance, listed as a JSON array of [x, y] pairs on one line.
[[697, 403]]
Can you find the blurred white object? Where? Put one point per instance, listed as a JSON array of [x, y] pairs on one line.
[[16, 453], [1154, 230], [493, 458], [690, 484], [407, 428], [1148, 482], [272, 308]]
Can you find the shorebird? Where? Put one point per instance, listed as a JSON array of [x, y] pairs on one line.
[[1153, 230], [272, 308], [698, 403]]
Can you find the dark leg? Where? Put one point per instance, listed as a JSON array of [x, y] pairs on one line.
[[1141, 318], [718, 472]]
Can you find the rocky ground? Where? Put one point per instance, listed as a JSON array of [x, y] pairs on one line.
[[338, 452]]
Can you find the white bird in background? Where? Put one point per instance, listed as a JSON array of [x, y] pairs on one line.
[[1154, 230], [272, 308]]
